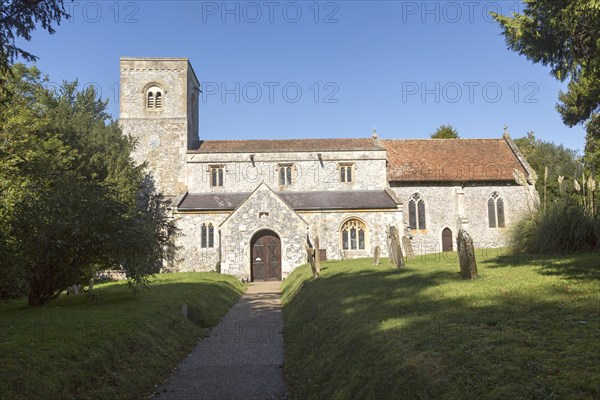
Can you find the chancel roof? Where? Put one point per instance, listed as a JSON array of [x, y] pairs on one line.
[[459, 160]]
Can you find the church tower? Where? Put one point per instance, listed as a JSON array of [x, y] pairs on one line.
[[159, 109]]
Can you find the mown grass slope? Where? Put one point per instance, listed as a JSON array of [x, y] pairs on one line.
[[528, 328], [117, 346]]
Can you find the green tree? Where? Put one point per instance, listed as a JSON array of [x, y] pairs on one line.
[[445, 132], [71, 200], [18, 18], [549, 161], [563, 34]]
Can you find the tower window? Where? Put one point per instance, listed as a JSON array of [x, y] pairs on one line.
[[496, 211], [150, 103], [154, 98], [416, 212]]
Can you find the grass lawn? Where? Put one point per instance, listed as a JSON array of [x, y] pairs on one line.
[[528, 328], [115, 347]]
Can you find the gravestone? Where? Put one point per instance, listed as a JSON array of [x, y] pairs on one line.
[[466, 255], [396, 256], [317, 256], [408, 247], [310, 252], [376, 255]]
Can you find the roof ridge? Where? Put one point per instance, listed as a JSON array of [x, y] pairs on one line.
[[277, 140], [438, 140]]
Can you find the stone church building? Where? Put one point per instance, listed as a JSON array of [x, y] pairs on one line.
[[248, 207]]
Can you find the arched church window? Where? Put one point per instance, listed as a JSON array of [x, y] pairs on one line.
[[416, 212], [154, 98], [353, 235], [496, 211], [207, 236]]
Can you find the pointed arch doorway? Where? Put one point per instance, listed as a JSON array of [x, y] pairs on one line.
[[265, 256], [447, 240]]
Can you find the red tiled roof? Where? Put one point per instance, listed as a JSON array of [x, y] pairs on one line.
[[286, 145], [426, 160]]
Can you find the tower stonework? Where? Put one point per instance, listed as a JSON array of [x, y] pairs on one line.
[[159, 109]]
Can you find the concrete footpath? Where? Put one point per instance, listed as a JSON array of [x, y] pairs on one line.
[[241, 359]]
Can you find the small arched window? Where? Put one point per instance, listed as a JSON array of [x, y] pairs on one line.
[[154, 98], [353, 235], [416, 212], [207, 236], [495, 206]]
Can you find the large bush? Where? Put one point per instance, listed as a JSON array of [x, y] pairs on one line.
[[71, 200], [569, 224]]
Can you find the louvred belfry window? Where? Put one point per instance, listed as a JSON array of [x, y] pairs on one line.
[[154, 98]]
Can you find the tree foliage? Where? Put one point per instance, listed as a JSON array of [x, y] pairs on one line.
[[71, 200], [550, 161], [565, 35], [445, 132], [18, 18]]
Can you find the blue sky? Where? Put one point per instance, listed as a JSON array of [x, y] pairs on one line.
[[284, 69]]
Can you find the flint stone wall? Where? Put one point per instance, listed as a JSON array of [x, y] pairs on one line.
[[263, 210], [241, 175], [454, 207]]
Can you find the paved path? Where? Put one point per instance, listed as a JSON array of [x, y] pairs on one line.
[[242, 359]]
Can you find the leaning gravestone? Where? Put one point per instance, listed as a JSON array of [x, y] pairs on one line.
[[395, 250], [377, 255], [317, 256], [466, 255]]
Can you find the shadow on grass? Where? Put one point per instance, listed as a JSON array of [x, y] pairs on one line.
[[582, 266], [370, 332]]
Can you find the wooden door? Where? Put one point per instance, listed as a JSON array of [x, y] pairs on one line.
[[266, 257], [447, 240]]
